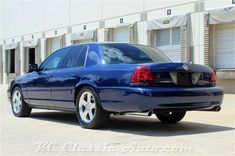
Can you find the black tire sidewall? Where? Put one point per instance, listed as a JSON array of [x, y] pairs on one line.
[[20, 112], [173, 118], [25, 109], [100, 115]]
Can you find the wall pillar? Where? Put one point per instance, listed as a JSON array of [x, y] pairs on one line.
[[68, 41], [101, 35], [4, 65], [22, 60], [142, 33], [206, 40], [197, 37], [42, 48]]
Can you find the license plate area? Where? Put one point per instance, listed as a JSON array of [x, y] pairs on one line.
[[189, 79], [184, 79]]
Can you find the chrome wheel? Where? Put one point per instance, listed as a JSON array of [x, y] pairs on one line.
[[17, 102], [87, 107]]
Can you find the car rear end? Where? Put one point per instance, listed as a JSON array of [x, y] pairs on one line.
[[154, 83], [177, 86]]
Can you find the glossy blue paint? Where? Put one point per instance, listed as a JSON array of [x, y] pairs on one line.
[[56, 88], [128, 99]]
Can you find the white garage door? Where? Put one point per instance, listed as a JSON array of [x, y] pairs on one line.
[[172, 52], [168, 41], [121, 34], [54, 44], [81, 41], [225, 46]]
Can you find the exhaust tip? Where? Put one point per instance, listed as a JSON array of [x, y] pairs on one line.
[[150, 113], [218, 108]]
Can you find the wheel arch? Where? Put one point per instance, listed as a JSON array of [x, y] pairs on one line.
[[13, 86], [80, 85]]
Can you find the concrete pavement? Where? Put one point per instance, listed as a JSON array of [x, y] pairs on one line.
[[58, 133]]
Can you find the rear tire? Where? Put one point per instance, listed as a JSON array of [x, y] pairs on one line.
[[19, 107], [170, 117], [89, 111]]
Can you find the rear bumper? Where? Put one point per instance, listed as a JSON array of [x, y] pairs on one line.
[[131, 99]]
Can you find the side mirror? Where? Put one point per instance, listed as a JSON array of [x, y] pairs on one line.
[[33, 67]]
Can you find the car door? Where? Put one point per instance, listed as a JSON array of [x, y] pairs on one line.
[[64, 80], [39, 86]]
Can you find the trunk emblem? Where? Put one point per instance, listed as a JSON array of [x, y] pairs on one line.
[[185, 67]]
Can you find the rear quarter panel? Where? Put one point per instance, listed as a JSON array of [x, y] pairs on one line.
[[113, 81]]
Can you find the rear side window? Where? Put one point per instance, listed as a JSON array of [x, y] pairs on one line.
[[131, 54], [55, 60], [76, 57]]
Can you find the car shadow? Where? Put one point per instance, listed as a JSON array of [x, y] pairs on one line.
[[136, 125], [57, 116]]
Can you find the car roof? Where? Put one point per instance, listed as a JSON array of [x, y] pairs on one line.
[[100, 43]]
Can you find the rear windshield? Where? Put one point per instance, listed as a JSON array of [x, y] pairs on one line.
[[116, 53]]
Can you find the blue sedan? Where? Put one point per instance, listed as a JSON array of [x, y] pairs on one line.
[[98, 79]]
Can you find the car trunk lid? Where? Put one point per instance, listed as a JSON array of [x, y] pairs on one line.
[[180, 74]]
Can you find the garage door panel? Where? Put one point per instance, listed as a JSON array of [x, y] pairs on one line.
[[82, 41], [121, 34], [227, 56], [224, 60], [55, 44], [225, 46], [225, 27], [172, 53], [225, 50], [225, 32], [229, 40], [173, 56], [221, 66]]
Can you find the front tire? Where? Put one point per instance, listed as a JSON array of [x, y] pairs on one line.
[[19, 107], [89, 111], [170, 117]]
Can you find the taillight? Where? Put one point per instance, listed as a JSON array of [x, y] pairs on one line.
[[142, 74], [213, 76]]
